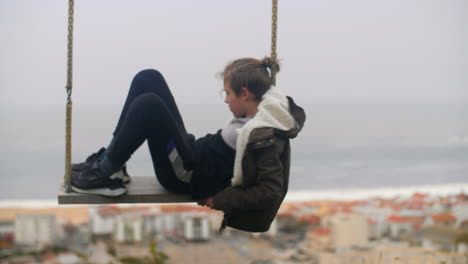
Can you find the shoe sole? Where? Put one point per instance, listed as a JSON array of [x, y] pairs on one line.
[[101, 191]]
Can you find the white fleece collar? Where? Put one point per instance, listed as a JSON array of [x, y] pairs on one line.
[[273, 111]]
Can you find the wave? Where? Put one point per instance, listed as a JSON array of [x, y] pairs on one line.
[[383, 192]]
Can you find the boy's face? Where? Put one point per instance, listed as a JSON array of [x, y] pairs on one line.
[[237, 104]]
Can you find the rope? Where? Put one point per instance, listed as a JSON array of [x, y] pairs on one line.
[[68, 123], [274, 23]]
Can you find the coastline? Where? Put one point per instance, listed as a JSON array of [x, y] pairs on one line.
[[299, 195], [382, 192]]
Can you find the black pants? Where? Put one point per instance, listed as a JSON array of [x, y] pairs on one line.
[[150, 113]]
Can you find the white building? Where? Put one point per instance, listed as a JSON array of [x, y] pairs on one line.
[[460, 211], [379, 226], [152, 227], [411, 213], [123, 224], [399, 225], [436, 208], [35, 230], [197, 228], [128, 229], [215, 218], [171, 224], [101, 222], [348, 230]]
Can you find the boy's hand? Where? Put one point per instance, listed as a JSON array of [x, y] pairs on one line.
[[206, 202]]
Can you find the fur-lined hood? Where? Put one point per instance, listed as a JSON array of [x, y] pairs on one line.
[[276, 111]]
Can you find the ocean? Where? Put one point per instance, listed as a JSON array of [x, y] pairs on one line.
[[345, 150]]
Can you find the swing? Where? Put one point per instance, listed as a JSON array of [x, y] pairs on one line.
[[142, 189]]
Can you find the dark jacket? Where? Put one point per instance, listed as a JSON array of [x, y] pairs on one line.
[[265, 166]]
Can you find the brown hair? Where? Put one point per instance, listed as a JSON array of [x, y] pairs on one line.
[[250, 73]]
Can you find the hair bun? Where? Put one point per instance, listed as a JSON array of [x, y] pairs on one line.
[[270, 63]]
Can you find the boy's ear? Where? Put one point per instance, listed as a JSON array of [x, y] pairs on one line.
[[245, 92]]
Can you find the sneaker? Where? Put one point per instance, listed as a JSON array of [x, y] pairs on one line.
[[91, 181], [125, 177], [89, 161], [79, 167], [122, 175]]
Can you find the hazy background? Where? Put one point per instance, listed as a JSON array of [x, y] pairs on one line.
[[384, 83]]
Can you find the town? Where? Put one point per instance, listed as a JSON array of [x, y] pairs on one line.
[[420, 228]]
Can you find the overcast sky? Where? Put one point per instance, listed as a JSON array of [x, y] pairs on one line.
[[331, 51]]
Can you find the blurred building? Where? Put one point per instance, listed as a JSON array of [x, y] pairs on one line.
[[460, 212], [75, 236], [128, 229], [442, 219], [378, 226], [35, 230], [319, 239], [347, 230], [197, 228], [7, 231], [142, 224], [101, 222], [399, 225], [152, 227]]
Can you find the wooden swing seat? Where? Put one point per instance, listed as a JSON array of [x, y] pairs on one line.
[[141, 189]]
